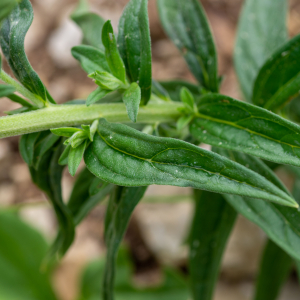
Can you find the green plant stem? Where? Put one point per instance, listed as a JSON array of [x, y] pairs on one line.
[[56, 116], [22, 90]]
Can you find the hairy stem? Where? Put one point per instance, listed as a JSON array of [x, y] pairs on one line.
[[21, 89], [71, 115]]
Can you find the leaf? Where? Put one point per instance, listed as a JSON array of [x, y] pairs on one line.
[[112, 54], [81, 201], [90, 130], [26, 146], [12, 36], [122, 202], [275, 267], [172, 287], [91, 25], [184, 121], [186, 24], [20, 100], [6, 90], [174, 87], [90, 58], [262, 29], [63, 159], [76, 139], [280, 223], [278, 80], [22, 250], [47, 176], [159, 90], [213, 221], [107, 81], [6, 6], [65, 131], [187, 98], [96, 95], [127, 157], [75, 157], [236, 125], [135, 45], [132, 99]]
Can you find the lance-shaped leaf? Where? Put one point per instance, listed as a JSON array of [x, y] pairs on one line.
[[213, 221], [186, 24], [280, 223], [22, 250], [6, 6], [6, 90], [132, 99], [135, 45], [91, 25], [75, 157], [174, 87], [12, 36], [90, 58], [236, 125], [121, 205], [96, 95], [87, 192], [47, 175], [275, 267], [127, 157], [278, 80], [262, 29], [112, 54]]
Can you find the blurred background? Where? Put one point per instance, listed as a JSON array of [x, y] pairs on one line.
[[157, 231]]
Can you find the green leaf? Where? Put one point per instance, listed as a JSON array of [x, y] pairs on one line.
[[65, 131], [184, 121], [6, 90], [236, 125], [112, 54], [20, 100], [26, 146], [75, 157], [47, 176], [82, 201], [172, 287], [22, 250], [96, 95], [6, 6], [213, 221], [122, 202], [76, 139], [262, 29], [90, 58], [107, 81], [159, 90], [63, 159], [275, 267], [91, 25], [187, 98], [12, 36], [132, 99], [90, 130], [174, 87], [135, 45], [278, 80], [186, 24], [127, 157], [280, 223]]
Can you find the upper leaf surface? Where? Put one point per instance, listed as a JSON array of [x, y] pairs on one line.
[[12, 36], [236, 125], [262, 29], [279, 79], [135, 45], [275, 267], [6, 6], [6, 90], [186, 24], [124, 156], [211, 227], [280, 223], [90, 58]]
